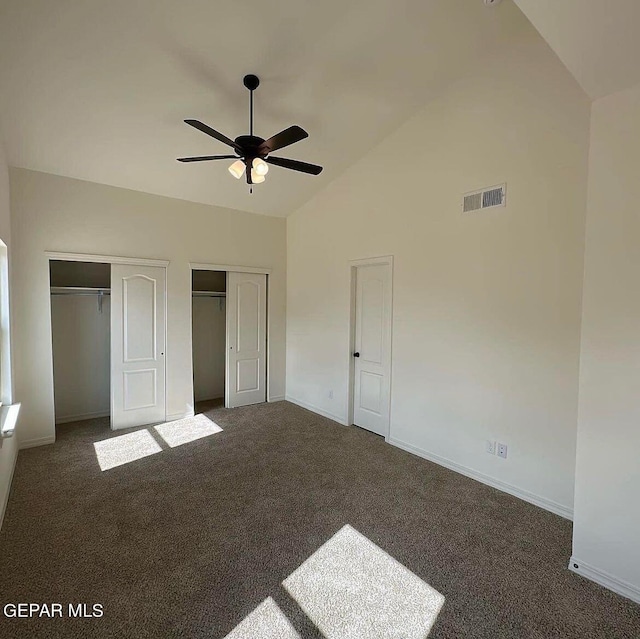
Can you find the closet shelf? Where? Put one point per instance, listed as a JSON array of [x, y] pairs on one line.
[[208, 294], [79, 290]]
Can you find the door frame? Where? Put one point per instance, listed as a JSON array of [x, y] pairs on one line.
[[353, 270], [110, 259], [234, 268]]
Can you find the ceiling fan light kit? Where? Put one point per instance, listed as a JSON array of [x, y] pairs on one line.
[[256, 178], [237, 169], [260, 166], [252, 153]]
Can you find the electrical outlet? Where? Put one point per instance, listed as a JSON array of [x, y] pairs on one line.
[[502, 450], [490, 447], [331, 394]]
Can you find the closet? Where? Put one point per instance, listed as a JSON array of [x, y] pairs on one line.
[[80, 325], [108, 325], [109, 337], [229, 337], [208, 299]]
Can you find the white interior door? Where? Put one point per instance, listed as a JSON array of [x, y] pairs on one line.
[[246, 375], [137, 345], [372, 354]]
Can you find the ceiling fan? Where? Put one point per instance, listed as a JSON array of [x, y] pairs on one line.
[[252, 153]]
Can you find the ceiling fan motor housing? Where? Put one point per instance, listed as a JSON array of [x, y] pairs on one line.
[[250, 146]]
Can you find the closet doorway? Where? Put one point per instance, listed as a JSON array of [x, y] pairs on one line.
[[81, 339], [108, 323], [209, 328], [229, 335]]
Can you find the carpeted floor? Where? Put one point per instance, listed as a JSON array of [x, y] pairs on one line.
[[196, 540]]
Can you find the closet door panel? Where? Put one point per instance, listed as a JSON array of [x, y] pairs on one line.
[[137, 345], [139, 318], [246, 339]]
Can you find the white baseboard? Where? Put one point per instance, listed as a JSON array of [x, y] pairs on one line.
[[279, 398], [5, 499], [315, 409], [78, 418], [38, 441], [605, 579], [176, 416], [537, 500]]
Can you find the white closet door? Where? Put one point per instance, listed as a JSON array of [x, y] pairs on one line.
[[373, 348], [137, 345], [246, 339]]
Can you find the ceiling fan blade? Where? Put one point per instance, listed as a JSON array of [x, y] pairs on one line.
[[295, 165], [204, 158], [284, 138], [196, 124]]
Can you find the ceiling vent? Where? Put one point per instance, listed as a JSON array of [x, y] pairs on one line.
[[485, 199]]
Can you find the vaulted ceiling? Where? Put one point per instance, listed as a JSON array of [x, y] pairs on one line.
[[98, 90], [596, 39]]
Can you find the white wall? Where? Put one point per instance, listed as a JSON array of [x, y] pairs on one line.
[[61, 214], [81, 356], [486, 306], [8, 447], [209, 347], [607, 514]]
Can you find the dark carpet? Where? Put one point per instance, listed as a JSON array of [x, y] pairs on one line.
[[189, 541]]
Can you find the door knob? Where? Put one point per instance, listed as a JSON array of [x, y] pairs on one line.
[[356, 354]]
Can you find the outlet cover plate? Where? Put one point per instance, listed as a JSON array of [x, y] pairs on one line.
[[490, 447], [502, 450]]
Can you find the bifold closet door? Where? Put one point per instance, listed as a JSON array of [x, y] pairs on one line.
[[137, 345], [245, 380]]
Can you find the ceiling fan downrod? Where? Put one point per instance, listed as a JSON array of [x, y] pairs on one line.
[[252, 82]]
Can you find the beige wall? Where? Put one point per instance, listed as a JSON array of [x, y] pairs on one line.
[[61, 214], [486, 306], [607, 517], [8, 447]]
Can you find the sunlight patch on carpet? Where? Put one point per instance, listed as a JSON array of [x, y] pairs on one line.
[[183, 431], [351, 589], [267, 621], [117, 451]]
